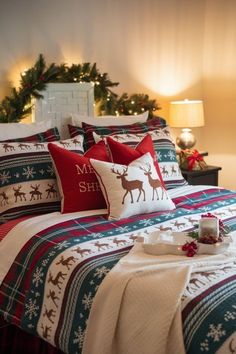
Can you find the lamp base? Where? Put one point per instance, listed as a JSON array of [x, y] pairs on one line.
[[186, 140]]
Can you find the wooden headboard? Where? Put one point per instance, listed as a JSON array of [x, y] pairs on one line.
[[60, 101]]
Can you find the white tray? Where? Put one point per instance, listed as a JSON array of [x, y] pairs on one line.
[[180, 238]]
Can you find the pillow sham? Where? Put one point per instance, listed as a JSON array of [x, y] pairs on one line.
[[27, 178], [49, 135], [132, 189], [20, 130], [77, 182], [89, 129], [165, 153], [77, 119]]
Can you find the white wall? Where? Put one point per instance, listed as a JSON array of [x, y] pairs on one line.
[[219, 90], [170, 49]]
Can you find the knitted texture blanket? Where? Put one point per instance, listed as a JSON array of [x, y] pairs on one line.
[[137, 306]]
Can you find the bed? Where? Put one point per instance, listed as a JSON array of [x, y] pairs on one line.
[[74, 277]]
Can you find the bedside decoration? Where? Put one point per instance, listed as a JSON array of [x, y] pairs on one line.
[[190, 159], [17, 105], [211, 236], [186, 114]]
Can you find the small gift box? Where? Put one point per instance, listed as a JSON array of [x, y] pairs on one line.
[[190, 159]]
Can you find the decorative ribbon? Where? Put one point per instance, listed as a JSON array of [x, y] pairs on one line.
[[194, 158]]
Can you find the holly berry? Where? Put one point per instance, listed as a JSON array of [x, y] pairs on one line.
[[190, 253], [190, 248]]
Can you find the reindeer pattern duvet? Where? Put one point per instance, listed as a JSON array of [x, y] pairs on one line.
[[50, 286]]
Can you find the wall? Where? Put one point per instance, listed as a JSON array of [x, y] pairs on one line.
[[219, 90], [170, 49]]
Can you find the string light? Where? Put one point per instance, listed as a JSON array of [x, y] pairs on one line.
[[30, 81]]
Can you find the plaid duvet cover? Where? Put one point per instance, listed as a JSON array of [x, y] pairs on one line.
[[49, 288]]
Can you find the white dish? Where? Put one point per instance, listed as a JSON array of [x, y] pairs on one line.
[[163, 248], [215, 248], [160, 242]]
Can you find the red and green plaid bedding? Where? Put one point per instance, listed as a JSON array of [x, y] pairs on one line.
[[50, 287]]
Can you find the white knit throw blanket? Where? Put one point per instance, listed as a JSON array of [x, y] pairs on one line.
[[137, 307]]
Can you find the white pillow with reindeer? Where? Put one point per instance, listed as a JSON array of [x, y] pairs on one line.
[[133, 189]]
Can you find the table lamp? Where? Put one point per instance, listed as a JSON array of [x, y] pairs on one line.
[[186, 114]]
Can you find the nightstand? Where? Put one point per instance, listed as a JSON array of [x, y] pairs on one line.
[[208, 176]]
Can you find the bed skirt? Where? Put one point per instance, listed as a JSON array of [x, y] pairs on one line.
[[13, 340]]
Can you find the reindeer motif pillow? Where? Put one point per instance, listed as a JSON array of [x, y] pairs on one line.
[[132, 189], [164, 149], [27, 179]]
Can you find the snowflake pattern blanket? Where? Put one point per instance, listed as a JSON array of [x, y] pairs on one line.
[[52, 265]]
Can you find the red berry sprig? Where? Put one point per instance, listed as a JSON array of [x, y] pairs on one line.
[[190, 248]]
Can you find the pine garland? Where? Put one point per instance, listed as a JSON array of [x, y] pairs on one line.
[[16, 106]]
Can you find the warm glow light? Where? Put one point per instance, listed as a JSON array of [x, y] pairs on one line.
[[69, 57], [166, 80], [16, 69], [169, 61], [186, 114]]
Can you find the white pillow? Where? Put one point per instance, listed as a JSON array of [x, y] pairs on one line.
[[133, 189], [77, 119], [21, 130]]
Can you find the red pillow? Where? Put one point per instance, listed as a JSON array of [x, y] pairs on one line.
[[124, 154], [77, 182]]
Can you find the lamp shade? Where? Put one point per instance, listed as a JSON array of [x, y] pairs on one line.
[[186, 114]]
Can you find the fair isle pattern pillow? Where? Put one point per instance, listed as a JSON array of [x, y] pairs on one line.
[[165, 153], [89, 129], [27, 178], [132, 189], [51, 134]]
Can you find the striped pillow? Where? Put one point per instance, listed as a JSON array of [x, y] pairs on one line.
[[89, 129], [27, 178], [165, 153], [48, 135]]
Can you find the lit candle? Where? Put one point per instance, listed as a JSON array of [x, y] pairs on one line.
[[208, 230]]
